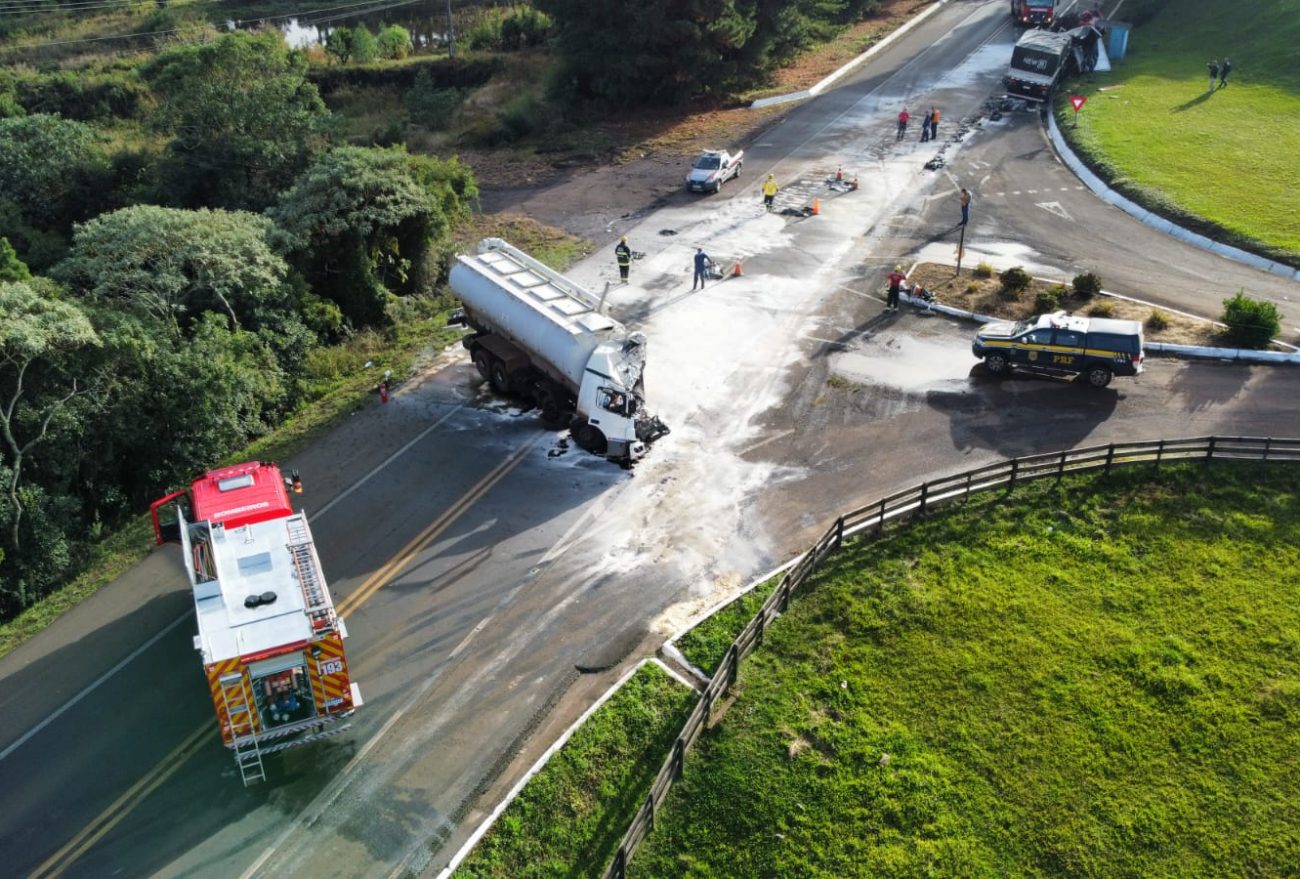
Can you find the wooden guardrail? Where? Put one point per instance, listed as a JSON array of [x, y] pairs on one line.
[[912, 502]]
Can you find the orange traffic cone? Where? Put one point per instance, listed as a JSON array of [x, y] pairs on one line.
[[736, 270], [817, 206]]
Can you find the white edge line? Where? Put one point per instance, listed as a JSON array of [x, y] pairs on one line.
[[486, 825], [92, 686], [380, 466]]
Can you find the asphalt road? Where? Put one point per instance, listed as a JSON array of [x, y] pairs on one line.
[[515, 562]]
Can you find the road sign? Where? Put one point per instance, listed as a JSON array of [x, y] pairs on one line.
[[1077, 101]]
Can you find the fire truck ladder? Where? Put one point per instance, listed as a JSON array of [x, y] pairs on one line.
[[303, 552], [238, 702]]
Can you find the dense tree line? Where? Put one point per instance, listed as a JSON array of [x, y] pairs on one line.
[[157, 305], [665, 51]]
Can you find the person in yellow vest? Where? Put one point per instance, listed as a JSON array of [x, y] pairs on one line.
[[769, 191], [623, 254]]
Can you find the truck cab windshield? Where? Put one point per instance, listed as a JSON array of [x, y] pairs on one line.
[[615, 401]]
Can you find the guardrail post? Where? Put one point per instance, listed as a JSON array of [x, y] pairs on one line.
[[620, 864], [734, 669], [1160, 453], [1110, 458], [1060, 468], [1268, 443], [880, 519], [650, 804], [1015, 469], [1209, 452], [679, 757], [967, 496], [925, 495], [839, 532], [785, 593]]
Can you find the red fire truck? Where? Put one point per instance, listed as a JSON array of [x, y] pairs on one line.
[[271, 642], [1033, 13]]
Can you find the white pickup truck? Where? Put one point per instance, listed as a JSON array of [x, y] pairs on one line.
[[712, 168]]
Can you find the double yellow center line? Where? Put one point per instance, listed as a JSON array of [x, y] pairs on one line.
[[120, 808]]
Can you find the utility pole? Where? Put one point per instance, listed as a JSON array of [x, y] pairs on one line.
[[451, 33], [961, 247]]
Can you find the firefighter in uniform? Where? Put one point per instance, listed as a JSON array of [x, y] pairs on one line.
[[624, 255], [769, 191]]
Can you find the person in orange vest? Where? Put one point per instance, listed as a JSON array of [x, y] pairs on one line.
[[934, 123]]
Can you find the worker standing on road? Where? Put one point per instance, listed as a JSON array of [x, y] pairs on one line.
[[1224, 71], [965, 206], [902, 124], [769, 191], [1214, 72], [701, 267], [925, 127], [896, 279], [623, 254], [934, 123]]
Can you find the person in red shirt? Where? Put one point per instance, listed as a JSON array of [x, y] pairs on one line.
[[896, 279], [902, 123]]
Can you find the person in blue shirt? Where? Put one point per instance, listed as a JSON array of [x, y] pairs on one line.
[[701, 268]]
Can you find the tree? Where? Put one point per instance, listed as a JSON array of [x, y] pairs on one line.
[[359, 219], [242, 116], [53, 172], [173, 265], [36, 327], [349, 44], [364, 46], [394, 41], [11, 267]]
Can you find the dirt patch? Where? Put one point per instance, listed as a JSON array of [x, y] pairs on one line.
[[970, 292]]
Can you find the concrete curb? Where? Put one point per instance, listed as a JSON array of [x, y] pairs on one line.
[[1105, 193], [845, 68], [1195, 352], [509, 798]]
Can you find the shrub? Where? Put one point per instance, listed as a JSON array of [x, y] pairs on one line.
[[983, 270], [1105, 308], [429, 106], [1050, 299], [1086, 285], [1252, 323], [1157, 320], [394, 41], [1014, 281], [972, 289]]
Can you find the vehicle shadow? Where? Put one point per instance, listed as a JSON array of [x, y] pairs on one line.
[[1023, 414], [1204, 386]]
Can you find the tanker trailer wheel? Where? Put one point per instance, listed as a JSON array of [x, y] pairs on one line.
[[548, 406], [500, 376], [483, 363], [591, 439]]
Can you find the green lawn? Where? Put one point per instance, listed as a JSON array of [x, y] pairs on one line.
[[1224, 163], [1101, 680], [569, 819]]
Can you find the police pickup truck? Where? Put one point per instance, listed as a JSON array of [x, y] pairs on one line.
[[1064, 345]]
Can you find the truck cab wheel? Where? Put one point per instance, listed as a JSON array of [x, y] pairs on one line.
[[500, 377], [548, 407], [591, 439], [1099, 376]]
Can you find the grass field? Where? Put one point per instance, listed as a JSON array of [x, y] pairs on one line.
[[1100, 680], [569, 819], [1222, 162]]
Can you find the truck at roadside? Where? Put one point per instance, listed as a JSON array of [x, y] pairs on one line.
[[1038, 62], [269, 638], [1034, 13], [542, 337]]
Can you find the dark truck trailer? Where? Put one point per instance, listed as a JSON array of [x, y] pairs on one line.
[[1038, 61], [1034, 13]]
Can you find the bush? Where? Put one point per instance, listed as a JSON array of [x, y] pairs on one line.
[[1157, 320], [983, 270], [394, 41], [1015, 281], [1050, 299], [1086, 285], [972, 289], [1105, 308], [429, 106], [1252, 323]]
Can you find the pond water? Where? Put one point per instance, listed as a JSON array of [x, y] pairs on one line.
[[428, 27]]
